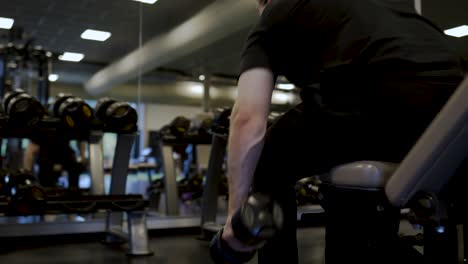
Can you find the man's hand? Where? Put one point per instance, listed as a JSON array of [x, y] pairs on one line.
[[231, 240]]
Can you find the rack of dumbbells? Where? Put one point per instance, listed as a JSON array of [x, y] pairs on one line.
[[176, 137], [72, 117], [220, 131]]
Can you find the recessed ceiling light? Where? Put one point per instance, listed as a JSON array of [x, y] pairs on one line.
[[53, 77], [71, 56], [286, 86], [147, 1], [95, 35], [458, 32], [201, 77], [6, 23]]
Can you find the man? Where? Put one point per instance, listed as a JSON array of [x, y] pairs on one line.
[[54, 155], [372, 74]]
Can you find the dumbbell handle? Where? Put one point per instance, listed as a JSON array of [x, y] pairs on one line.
[[222, 253]]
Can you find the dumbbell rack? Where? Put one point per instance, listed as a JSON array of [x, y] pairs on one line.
[[136, 220], [170, 172], [209, 225], [114, 204]]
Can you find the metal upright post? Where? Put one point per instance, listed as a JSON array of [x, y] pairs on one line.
[[170, 181], [2, 73], [119, 173], [138, 234], [210, 191], [96, 164], [43, 83]]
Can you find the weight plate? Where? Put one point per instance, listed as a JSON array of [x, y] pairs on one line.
[[88, 112], [59, 100], [69, 121]]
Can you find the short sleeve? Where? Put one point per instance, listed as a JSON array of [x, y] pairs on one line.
[[255, 53], [264, 38]]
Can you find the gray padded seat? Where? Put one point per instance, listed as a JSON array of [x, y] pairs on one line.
[[362, 175], [428, 166]]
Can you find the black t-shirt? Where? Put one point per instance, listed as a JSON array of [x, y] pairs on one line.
[[54, 148], [301, 39]]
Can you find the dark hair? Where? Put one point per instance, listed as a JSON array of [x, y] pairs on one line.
[[262, 2]]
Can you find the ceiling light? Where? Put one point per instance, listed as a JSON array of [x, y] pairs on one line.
[[95, 35], [53, 77], [71, 56], [286, 86], [6, 23], [201, 77], [147, 1], [458, 32]]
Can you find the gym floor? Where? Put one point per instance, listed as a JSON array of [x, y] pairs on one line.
[[180, 247]]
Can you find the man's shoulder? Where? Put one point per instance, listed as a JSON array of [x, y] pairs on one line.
[[280, 10]]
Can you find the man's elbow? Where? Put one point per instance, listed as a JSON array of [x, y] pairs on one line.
[[253, 123]]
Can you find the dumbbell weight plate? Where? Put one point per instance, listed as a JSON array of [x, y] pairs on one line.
[[73, 110], [8, 96], [102, 106], [20, 102], [258, 220], [24, 109], [120, 113], [59, 99]]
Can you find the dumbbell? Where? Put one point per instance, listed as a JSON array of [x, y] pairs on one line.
[[307, 191], [74, 112], [179, 127], [257, 221], [191, 188], [23, 109], [117, 116], [27, 196], [201, 125], [205, 127]]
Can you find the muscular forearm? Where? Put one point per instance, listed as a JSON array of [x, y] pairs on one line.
[[82, 149], [29, 156], [28, 162], [245, 145]]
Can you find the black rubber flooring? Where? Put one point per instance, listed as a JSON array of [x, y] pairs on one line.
[[178, 248]]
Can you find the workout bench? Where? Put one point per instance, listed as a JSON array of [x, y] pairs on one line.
[[363, 199]]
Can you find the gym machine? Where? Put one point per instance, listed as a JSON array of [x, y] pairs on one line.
[[17, 65], [73, 118], [23, 65], [430, 181]]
